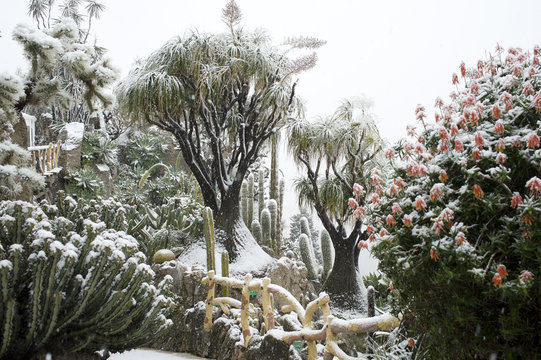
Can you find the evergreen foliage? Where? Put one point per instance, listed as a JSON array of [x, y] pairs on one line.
[[457, 227]]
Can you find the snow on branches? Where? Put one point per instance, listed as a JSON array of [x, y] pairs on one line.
[[468, 205]]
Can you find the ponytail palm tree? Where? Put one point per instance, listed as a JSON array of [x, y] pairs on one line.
[[221, 96], [336, 152]]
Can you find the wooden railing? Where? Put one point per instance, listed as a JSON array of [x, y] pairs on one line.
[[329, 332], [45, 157]]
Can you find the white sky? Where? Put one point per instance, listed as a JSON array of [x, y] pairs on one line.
[[399, 53]]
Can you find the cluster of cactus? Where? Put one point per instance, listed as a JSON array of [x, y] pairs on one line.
[[72, 284], [317, 254], [267, 227], [149, 225]]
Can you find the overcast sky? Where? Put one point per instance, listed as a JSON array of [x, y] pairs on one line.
[[399, 53]]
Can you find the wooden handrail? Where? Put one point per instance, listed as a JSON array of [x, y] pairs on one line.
[[45, 157], [329, 333]]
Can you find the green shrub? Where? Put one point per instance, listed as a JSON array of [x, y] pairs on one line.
[[145, 149], [71, 284], [457, 228]]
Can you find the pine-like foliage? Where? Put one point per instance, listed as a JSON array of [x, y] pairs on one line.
[[457, 228], [71, 284]]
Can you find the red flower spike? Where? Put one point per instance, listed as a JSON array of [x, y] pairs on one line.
[[476, 154], [479, 141], [534, 184], [526, 275], [497, 280], [390, 220], [496, 112], [500, 146], [516, 200], [502, 270], [420, 204], [460, 238], [533, 141], [363, 245], [407, 220], [455, 79], [352, 203], [459, 146], [477, 191], [443, 176], [463, 69], [411, 342], [434, 255]]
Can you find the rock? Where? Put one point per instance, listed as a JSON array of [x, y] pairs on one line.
[[104, 173], [291, 275], [20, 133], [71, 137], [162, 256]]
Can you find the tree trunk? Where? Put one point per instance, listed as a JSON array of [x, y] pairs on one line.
[[343, 284], [231, 229]]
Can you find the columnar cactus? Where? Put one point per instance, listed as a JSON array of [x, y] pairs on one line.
[[208, 229], [261, 192], [273, 186], [256, 230], [280, 212], [326, 253], [307, 256], [273, 209], [68, 288], [225, 272], [266, 227], [250, 198]]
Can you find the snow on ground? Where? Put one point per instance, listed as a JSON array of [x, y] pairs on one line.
[[147, 354]]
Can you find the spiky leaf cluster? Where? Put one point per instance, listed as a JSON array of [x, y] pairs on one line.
[[73, 285]]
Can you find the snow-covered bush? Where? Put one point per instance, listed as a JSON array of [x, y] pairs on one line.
[[16, 174], [456, 229], [71, 284], [145, 149]]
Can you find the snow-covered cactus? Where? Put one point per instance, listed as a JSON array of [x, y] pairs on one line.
[[273, 181], [307, 256], [256, 230], [326, 253], [273, 209], [244, 202], [250, 199], [261, 192], [266, 227], [280, 213], [208, 230], [225, 272], [73, 285], [305, 227], [17, 177]]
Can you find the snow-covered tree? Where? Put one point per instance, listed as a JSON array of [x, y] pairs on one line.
[[335, 152], [222, 96], [456, 229]]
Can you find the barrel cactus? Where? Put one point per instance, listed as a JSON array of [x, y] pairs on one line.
[[72, 285]]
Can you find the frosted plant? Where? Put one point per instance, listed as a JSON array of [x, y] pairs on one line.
[[17, 177], [335, 152], [456, 226], [222, 96]]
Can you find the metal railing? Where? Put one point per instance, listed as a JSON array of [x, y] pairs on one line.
[[329, 333]]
